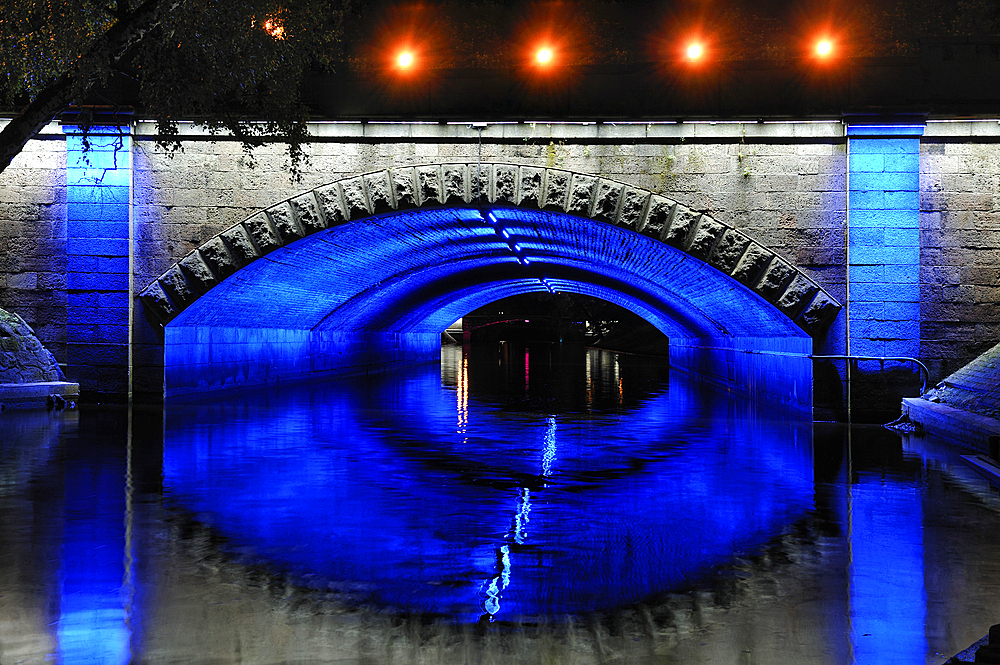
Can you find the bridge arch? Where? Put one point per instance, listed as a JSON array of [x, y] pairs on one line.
[[369, 269]]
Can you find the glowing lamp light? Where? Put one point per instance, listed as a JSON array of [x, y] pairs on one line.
[[544, 56], [824, 48], [694, 51], [274, 28], [405, 59]]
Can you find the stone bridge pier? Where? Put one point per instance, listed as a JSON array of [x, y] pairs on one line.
[[149, 273]]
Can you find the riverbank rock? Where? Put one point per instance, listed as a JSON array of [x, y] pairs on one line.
[[23, 359]]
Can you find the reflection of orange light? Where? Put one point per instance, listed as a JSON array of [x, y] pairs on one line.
[[544, 55], [405, 59], [694, 51], [824, 48], [274, 28]]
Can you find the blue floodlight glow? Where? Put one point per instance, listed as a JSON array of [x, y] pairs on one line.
[[381, 291]]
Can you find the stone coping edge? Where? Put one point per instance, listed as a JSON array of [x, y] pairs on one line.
[[964, 427], [42, 395]]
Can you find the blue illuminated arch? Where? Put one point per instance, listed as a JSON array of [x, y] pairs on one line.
[[370, 269]]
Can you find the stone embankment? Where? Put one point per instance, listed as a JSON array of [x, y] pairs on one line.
[[29, 375]]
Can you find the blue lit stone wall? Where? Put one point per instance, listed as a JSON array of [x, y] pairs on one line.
[[98, 247]]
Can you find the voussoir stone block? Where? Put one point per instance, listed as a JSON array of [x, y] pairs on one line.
[[157, 302], [683, 221], [453, 184], [658, 217], [799, 292], [404, 187], [632, 207], [355, 200], [260, 232], [219, 259], [530, 190], [331, 204], [581, 194], [308, 213], [752, 264], [198, 273], [283, 222], [818, 314], [504, 184], [775, 279], [379, 192], [728, 251], [556, 190], [177, 286], [606, 200], [704, 238], [240, 244], [428, 185]]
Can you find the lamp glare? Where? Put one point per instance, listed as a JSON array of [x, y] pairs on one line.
[[544, 55], [824, 47], [694, 51], [405, 59]]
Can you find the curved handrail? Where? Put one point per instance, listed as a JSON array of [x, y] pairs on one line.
[[925, 373]]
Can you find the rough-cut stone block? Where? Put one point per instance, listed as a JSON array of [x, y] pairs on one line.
[[219, 259], [404, 188], [657, 220], [818, 314], [453, 182], [379, 192], [798, 293], [581, 194], [728, 251], [355, 200], [530, 190], [632, 207], [283, 222], [260, 232], [704, 237], [750, 267], [683, 221], [479, 183], [428, 185], [331, 205], [308, 213], [158, 303], [775, 279], [177, 286], [504, 184], [606, 201], [556, 190], [198, 273], [240, 245]]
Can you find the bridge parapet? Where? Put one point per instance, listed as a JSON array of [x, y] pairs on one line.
[[494, 185]]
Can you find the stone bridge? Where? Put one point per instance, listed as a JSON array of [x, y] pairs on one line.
[[872, 238]]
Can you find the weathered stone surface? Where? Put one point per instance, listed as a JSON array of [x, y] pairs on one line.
[[683, 221], [556, 190], [158, 303], [404, 188], [23, 359], [199, 275], [606, 200], [632, 206], [453, 181], [750, 267], [355, 201], [283, 222], [177, 286], [260, 232], [530, 194], [775, 279], [504, 184], [308, 213], [798, 293], [238, 240], [479, 183], [219, 259], [581, 194], [657, 220], [704, 238], [728, 251], [331, 204], [379, 192], [428, 185], [818, 314]]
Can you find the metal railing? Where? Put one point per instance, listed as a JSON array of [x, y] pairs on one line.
[[924, 372]]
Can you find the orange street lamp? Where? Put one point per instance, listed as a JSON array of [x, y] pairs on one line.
[[405, 59], [544, 56], [694, 51], [824, 48]]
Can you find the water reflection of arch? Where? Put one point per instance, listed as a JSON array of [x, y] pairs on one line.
[[355, 489]]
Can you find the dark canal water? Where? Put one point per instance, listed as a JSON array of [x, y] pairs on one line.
[[529, 505]]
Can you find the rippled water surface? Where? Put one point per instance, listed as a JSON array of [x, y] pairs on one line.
[[540, 505]]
